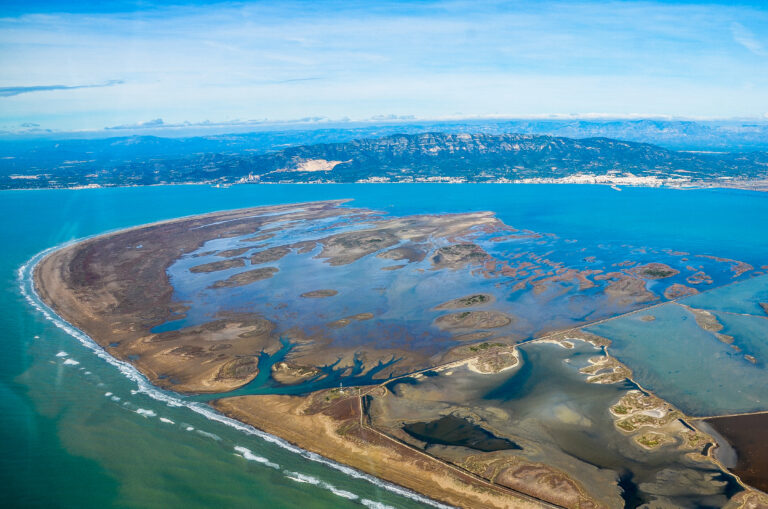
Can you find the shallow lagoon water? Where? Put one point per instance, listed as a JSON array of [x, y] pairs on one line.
[[67, 444], [688, 366], [744, 297], [547, 408], [403, 303]]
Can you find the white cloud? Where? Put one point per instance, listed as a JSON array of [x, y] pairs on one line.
[[746, 38], [279, 60]]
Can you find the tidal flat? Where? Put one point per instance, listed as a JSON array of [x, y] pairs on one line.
[[323, 313]]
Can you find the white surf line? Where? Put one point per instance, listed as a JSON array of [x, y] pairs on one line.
[[308, 479], [248, 455], [27, 288]]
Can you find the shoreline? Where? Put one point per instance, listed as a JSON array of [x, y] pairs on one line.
[[38, 287], [361, 447], [760, 186], [44, 274], [144, 385]]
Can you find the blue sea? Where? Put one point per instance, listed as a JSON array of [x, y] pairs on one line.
[[81, 431]]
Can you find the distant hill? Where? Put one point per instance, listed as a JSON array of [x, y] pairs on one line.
[[468, 157]]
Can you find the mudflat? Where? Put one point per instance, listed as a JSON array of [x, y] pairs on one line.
[[302, 299]]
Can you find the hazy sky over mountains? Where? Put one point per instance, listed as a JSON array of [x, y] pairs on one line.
[[126, 63]]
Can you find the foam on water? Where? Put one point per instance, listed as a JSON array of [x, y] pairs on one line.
[[248, 455], [62, 354], [212, 436], [308, 479], [26, 286], [341, 493], [145, 412], [71, 362], [302, 478], [375, 505]]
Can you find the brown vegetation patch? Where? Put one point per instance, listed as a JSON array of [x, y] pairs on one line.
[[473, 320], [290, 374], [229, 253], [217, 266], [478, 299], [410, 253], [238, 369], [458, 256], [677, 291], [269, 255], [629, 290], [709, 323], [655, 270], [347, 247], [319, 294], [343, 322], [473, 336], [245, 278], [259, 238]]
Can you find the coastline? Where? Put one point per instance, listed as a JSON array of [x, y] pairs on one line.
[[341, 435], [29, 291], [47, 283], [747, 185], [50, 265]]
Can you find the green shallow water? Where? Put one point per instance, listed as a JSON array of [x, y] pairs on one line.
[[66, 444]]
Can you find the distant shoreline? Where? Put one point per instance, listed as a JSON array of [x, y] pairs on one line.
[[751, 185]]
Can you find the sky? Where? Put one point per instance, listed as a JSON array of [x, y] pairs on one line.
[[80, 66]]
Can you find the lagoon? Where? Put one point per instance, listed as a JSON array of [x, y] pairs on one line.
[[68, 442]]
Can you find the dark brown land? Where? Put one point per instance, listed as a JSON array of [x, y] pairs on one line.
[[117, 294], [217, 266], [247, 277], [116, 289], [748, 435], [317, 294]]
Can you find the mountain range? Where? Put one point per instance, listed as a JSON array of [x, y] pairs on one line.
[[456, 157]]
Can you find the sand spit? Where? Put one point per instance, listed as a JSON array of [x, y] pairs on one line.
[[116, 288], [330, 423], [117, 295]]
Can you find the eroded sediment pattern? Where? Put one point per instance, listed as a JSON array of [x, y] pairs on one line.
[[456, 340]]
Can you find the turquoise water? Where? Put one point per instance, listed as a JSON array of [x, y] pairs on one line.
[[686, 365], [67, 444], [739, 298], [692, 368]]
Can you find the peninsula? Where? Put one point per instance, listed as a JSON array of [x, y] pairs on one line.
[[440, 352]]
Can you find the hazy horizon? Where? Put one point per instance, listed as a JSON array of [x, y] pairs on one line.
[[141, 65]]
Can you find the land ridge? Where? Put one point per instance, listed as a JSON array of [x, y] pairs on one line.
[[423, 157]]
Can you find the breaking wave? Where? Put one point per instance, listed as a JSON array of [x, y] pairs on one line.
[[27, 288]]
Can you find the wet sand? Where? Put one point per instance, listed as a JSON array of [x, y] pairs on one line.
[[116, 288], [329, 423]]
